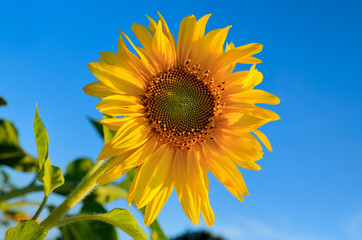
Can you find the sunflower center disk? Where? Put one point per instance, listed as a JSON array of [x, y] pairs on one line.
[[181, 105]]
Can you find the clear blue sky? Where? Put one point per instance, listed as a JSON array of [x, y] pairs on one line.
[[310, 187]]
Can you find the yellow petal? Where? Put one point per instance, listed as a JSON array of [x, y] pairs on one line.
[[236, 110], [120, 105], [191, 185], [242, 81], [135, 158], [249, 60], [190, 203], [206, 210], [214, 40], [257, 96], [143, 35], [129, 160], [112, 173], [120, 101], [109, 150], [131, 134], [154, 207], [111, 59], [114, 123], [207, 213], [99, 89], [250, 123], [131, 191], [132, 61], [210, 48], [263, 139], [152, 25], [229, 46], [200, 27], [150, 64], [185, 37], [239, 149], [152, 175], [237, 54], [162, 49], [168, 33], [225, 171], [117, 78]]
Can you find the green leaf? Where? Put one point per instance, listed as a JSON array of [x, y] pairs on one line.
[[156, 231], [108, 193], [124, 220], [81, 230], [41, 139], [120, 218], [29, 230], [126, 183], [77, 169], [108, 133], [2, 101], [11, 154], [50, 176], [97, 125], [8, 133], [5, 177]]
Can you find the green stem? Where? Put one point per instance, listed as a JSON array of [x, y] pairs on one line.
[[4, 206], [36, 215], [83, 189], [21, 192]]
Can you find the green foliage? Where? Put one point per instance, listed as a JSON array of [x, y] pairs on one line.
[[97, 125], [124, 220], [11, 154], [41, 139], [2, 101], [199, 235], [156, 230], [120, 218], [77, 169], [126, 184], [157, 233], [29, 230], [106, 133], [4, 176], [82, 230], [108, 193], [49, 175]]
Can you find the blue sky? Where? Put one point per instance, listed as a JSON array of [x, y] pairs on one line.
[[309, 187]]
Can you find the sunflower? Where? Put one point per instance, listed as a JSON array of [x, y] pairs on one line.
[[184, 111]]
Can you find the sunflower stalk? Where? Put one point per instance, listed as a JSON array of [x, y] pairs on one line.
[[84, 188]]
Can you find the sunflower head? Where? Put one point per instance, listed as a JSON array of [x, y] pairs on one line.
[[180, 109], [181, 105]]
